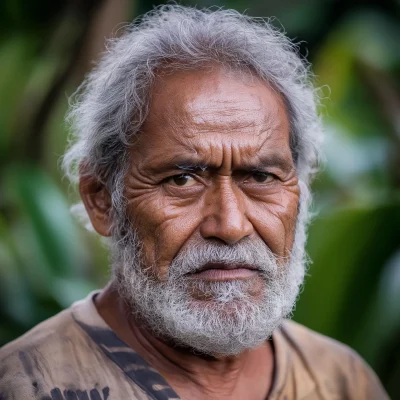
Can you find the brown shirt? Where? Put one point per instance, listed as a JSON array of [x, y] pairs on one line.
[[76, 356]]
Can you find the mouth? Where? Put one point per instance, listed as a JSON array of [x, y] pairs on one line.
[[224, 272]]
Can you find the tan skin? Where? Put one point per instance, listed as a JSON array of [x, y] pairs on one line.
[[212, 162]]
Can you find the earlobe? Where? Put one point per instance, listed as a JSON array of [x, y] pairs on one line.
[[97, 201]]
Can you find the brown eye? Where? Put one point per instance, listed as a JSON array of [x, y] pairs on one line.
[[182, 180], [262, 177]]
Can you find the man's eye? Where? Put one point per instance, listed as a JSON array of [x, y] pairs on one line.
[[262, 177], [181, 180]]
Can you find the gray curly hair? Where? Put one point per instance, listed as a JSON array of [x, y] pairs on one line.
[[113, 102]]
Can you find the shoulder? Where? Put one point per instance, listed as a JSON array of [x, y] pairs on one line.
[[311, 343], [54, 357], [42, 335], [31, 360], [50, 339], [335, 367]]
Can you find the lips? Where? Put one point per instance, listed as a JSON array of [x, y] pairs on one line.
[[225, 272]]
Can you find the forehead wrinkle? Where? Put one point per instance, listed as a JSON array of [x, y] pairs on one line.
[[236, 154], [188, 128], [191, 142], [182, 129], [215, 111], [269, 121], [224, 115], [224, 107], [234, 125]]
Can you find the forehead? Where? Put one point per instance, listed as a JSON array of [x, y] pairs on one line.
[[215, 107]]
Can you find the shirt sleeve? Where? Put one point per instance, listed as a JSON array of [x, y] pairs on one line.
[[363, 382]]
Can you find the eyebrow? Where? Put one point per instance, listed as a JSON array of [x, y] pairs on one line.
[[272, 160], [192, 166], [261, 164]]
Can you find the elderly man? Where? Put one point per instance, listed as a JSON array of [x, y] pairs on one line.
[[194, 143]]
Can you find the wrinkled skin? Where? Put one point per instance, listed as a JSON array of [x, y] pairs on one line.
[[231, 128], [212, 162]]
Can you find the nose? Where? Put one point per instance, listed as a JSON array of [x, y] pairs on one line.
[[225, 215]]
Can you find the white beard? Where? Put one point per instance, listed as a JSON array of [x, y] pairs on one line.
[[230, 319]]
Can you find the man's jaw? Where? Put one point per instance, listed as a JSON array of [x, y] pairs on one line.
[[223, 317]]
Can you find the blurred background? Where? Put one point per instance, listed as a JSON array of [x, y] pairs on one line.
[[47, 260]]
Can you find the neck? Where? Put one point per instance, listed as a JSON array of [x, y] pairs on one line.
[[195, 376]]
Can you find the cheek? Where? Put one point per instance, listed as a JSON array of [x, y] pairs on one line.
[[163, 225], [274, 219]]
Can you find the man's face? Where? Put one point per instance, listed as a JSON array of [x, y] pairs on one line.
[[212, 195], [213, 162]]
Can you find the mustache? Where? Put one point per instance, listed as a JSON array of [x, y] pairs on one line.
[[248, 252]]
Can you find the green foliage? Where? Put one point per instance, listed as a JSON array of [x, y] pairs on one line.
[[352, 292], [344, 289], [43, 259]]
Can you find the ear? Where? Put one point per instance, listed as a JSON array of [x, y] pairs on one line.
[[97, 201]]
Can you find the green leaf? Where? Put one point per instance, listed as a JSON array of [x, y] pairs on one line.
[[48, 214]]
